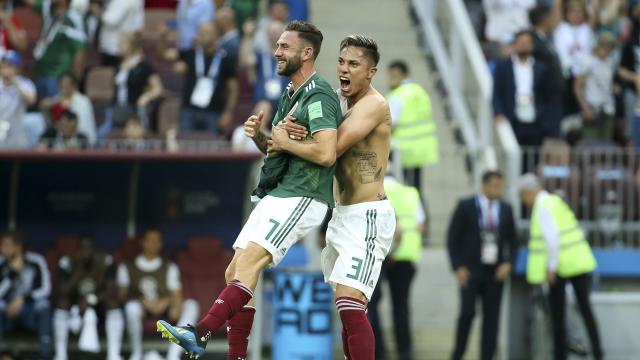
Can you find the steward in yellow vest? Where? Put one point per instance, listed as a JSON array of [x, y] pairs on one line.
[[559, 253], [399, 268]]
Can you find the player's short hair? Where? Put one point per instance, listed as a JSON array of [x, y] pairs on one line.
[[490, 175], [307, 32], [400, 66], [368, 45]]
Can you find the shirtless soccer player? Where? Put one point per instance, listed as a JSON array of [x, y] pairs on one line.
[[296, 205], [361, 230]]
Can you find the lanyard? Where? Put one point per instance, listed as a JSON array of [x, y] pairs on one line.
[[493, 226], [214, 68]]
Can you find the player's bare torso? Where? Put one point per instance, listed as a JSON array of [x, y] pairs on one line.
[[361, 170]]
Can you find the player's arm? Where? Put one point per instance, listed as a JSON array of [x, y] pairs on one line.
[[320, 150], [365, 116], [323, 112]]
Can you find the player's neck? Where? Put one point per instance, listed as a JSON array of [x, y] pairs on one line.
[[301, 76], [352, 100]]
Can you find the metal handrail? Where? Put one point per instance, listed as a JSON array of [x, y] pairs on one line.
[[452, 46]]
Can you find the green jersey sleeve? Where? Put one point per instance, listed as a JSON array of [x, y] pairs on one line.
[[323, 112]]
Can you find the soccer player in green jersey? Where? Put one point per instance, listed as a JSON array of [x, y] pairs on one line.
[[290, 210]]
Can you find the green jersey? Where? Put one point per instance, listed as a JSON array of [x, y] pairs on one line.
[[59, 42], [315, 106]]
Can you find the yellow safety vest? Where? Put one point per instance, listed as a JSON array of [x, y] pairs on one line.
[[415, 133], [405, 201], [575, 256]]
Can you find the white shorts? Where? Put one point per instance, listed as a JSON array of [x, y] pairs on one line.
[[358, 240], [278, 223]]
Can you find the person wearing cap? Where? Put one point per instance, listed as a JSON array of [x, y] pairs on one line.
[[64, 134], [482, 244], [16, 94], [593, 86], [558, 254]]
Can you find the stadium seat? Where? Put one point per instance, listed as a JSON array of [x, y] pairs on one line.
[[67, 244], [204, 247], [100, 85], [555, 152], [31, 22], [153, 19], [612, 199]]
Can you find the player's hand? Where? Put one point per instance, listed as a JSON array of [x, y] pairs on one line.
[[252, 125], [295, 130], [503, 271], [462, 273], [551, 277], [279, 137]]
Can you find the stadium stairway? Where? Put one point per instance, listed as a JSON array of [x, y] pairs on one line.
[[434, 295]]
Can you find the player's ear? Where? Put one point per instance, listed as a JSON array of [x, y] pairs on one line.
[[308, 53], [372, 72]]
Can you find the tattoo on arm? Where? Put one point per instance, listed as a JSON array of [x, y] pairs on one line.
[[261, 141], [367, 168], [381, 196]]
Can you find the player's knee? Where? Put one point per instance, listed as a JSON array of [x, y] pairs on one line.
[[347, 291], [252, 260]]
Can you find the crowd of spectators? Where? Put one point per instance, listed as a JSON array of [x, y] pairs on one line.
[[563, 68], [87, 73]]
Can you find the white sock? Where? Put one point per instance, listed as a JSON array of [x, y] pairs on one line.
[[133, 312], [114, 328], [189, 315], [61, 332], [88, 340]]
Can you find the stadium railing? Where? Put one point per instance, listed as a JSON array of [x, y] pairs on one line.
[[449, 38]]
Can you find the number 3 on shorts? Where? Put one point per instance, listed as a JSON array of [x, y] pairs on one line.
[[357, 266], [273, 228]]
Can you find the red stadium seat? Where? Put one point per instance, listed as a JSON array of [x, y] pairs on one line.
[[67, 244], [202, 247], [99, 83]]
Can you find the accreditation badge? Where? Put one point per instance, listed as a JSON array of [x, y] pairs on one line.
[[525, 109], [489, 254], [202, 92]]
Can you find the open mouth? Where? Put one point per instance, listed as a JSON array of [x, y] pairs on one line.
[[345, 84]]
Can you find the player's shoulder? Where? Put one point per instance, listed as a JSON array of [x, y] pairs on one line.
[[373, 102]]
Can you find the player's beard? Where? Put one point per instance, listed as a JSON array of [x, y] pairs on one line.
[[292, 65]]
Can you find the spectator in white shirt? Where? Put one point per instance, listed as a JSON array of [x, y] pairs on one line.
[[151, 285], [16, 94], [119, 17], [573, 40], [72, 99], [593, 88], [505, 18]]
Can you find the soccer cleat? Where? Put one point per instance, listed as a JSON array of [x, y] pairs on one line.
[[184, 336]]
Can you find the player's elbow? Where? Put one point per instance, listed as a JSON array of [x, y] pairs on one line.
[[327, 159]]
